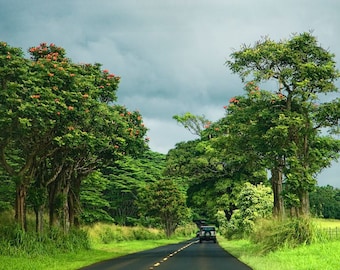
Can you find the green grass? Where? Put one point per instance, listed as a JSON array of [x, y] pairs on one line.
[[68, 261], [328, 223], [110, 241], [323, 256], [105, 241]]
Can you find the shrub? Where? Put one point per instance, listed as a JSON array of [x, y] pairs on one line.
[[187, 230], [141, 233], [20, 243], [253, 203], [273, 234], [107, 233]]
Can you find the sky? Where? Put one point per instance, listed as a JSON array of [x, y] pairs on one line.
[[170, 54]]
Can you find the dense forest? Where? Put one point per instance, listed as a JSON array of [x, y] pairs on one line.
[[70, 155]]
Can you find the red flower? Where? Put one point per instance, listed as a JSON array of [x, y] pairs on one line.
[[234, 100]]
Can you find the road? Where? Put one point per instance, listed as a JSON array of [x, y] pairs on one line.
[[183, 256]]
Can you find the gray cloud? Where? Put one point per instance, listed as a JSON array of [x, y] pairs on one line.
[[170, 54]]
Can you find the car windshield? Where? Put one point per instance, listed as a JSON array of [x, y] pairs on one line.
[[208, 228]]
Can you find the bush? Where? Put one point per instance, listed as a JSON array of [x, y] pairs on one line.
[[271, 235], [16, 242], [108, 233], [31, 244], [187, 230], [141, 233], [253, 203]]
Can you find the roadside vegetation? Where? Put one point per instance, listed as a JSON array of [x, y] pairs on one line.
[[78, 182], [81, 247], [320, 253]]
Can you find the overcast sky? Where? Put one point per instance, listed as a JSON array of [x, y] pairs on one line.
[[169, 53]]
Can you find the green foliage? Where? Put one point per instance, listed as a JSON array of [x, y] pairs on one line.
[[325, 202], [92, 201], [29, 244], [107, 233], [194, 123], [254, 203], [287, 140], [59, 125], [163, 200], [304, 257], [7, 192], [272, 235], [126, 178], [187, 230]]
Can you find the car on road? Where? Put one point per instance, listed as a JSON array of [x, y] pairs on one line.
[[207, 233]]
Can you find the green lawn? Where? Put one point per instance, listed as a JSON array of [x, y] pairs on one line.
[[68, 261], [316, 256], [323, 256]]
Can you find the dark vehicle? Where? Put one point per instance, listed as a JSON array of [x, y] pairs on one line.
[[207, 233]]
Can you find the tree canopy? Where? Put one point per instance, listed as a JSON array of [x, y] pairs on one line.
[[59, 120]]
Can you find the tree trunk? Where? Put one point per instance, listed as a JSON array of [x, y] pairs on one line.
[[53, 191], [74, 201], [65, 208], [20, 206], [39, 220], [276, 179], [304, 208]]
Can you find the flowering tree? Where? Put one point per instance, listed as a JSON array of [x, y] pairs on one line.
[[61, 125], [304, 71]]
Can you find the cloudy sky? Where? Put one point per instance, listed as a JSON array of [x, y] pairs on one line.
[[169, 53]]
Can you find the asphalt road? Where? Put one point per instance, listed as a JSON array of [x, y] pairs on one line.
[[184, 256]]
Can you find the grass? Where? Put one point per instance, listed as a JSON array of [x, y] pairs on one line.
[[307, 257], [105, 241], [328, 223], [319, 255], [110, 241], [68, 261]]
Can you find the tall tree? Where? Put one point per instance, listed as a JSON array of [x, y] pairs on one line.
[[59, 122], [128, 177], [164, 200], [325, 202], [194, 123], [303, 71]]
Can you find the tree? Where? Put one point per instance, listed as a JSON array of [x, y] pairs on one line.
[[253, 203], [128, 177], [163, 200], [325, 202], [59, 121], [93, 204], [194, 123], [303, 71]]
